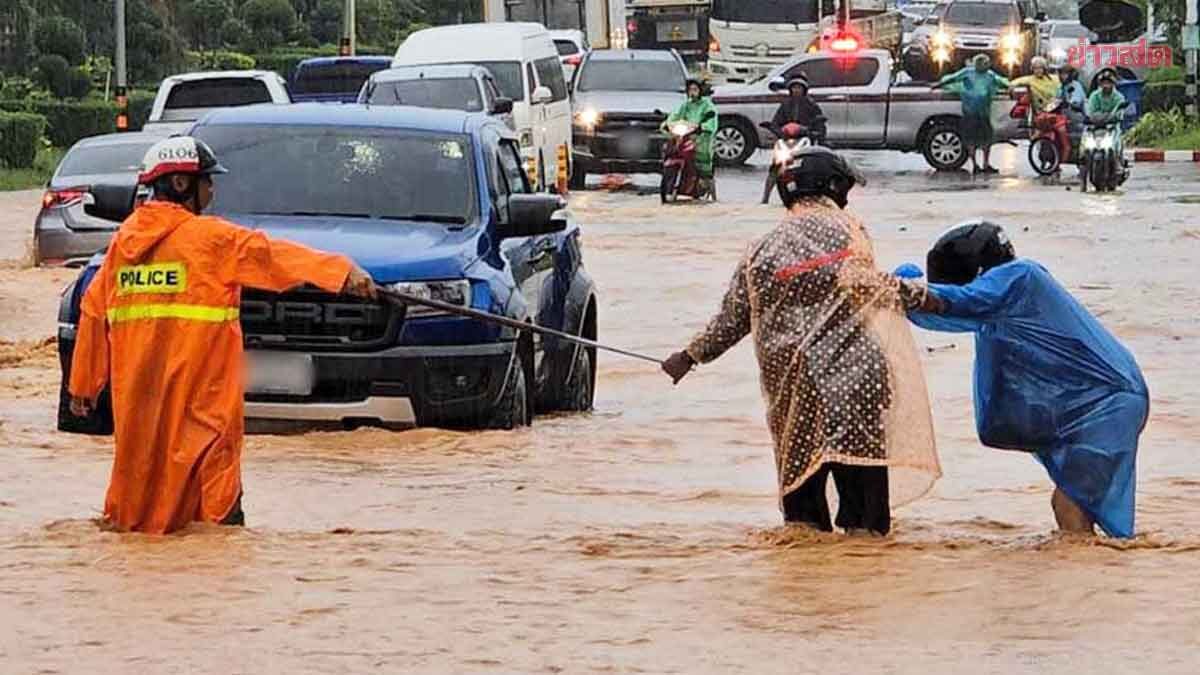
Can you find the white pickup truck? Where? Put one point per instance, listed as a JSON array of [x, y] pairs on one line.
[[183, 99], [865, 109]]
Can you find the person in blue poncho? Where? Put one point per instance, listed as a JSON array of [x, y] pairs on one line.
[[1048, 377]]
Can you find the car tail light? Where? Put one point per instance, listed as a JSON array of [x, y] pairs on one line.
[[573, 60], [64, 197]]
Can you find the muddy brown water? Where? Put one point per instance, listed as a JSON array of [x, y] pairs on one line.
[[642, 537]]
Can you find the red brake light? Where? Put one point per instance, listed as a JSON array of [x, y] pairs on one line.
[[63, 197], [573, 60], [631, 26], [844, 44]]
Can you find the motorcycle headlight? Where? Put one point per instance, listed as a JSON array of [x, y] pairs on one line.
[[587, 118], [1089, 142], [1106, 142], [456, 292], [782, 155], [681, 128]]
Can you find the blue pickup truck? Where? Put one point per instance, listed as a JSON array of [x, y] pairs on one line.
[[431, 202]]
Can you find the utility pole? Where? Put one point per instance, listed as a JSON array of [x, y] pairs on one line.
[[348, 45], [1191, 43], [122, 99]]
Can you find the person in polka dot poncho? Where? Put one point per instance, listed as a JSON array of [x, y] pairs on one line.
[[843, 385]]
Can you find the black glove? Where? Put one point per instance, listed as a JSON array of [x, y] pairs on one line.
[[678, 365]]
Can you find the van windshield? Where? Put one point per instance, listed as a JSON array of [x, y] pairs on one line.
[[981, 14]]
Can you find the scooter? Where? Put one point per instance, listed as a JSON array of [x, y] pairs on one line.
[[1045, 149], [792, 136], [1102, 162], [679, 174]]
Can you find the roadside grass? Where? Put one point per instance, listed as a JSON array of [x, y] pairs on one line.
[[1172, 130], [27, 179], [1187, 140]]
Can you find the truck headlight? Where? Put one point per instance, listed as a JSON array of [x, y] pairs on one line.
[[942, 39], [588, 118], [1010, 40], [941, 55], [455, 292]]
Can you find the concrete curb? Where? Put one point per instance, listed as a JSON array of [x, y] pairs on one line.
[[1163, 155]]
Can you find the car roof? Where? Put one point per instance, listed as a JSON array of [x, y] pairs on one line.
[[434, 72], [335, 60], [632, 55], [222, 74], [122, 138], [349, 115]]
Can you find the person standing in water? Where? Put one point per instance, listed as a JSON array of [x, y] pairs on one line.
[[1049, 378], [844, 388], [978, 84]]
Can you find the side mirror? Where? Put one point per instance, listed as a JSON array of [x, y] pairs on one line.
[[111, 202], [541, 95], [777, 84], [532, 215], [502, 106]]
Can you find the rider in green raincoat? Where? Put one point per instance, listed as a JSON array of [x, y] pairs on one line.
[[693, 110]]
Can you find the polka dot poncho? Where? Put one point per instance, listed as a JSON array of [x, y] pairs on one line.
[[837, 360]]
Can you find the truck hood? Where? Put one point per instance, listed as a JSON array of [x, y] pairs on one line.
[[976, 30], [389, 250], [629, 101]]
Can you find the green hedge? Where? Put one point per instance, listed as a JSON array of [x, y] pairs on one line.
[[1163, 96], [20, 138], [284, 61], [1168, 74], [140, 103], [219, 60]]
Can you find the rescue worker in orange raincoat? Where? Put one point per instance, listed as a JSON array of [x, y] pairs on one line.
[[160, 323]]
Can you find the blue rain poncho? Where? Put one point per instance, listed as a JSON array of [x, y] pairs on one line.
[[1050, 379]]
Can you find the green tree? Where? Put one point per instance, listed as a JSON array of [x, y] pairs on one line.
[[1171, 13], [155, 48], [271, 22], [201, 22], [325, 21], [62, 36], [16, 58], [53, 72], [235, 34]]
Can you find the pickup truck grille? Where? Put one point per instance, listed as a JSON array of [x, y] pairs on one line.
[[313, 320], [621, 121], [751, 52]]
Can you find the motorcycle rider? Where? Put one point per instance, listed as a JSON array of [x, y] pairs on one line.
[[1105, 103], [1044, 89], [1076, 97], [838, 365], [801, 109], [695, 110]]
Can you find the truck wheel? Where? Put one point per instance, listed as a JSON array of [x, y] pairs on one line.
[[580, 390], [512, 410], [943, 147], [733, 143]]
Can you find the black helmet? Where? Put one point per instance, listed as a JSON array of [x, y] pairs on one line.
[[798, 80], [1107, 74], [817, 171], [966, 251], [696, 81]]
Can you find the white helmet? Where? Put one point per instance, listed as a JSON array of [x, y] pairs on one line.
[[178, 154]]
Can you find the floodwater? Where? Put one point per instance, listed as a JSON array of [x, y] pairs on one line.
[[643, 537]]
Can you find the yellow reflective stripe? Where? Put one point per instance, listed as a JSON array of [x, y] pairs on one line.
[[171, 311]]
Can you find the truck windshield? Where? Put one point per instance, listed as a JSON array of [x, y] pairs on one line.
[[981, 14], [350, 172], [766, 11], [628, 75], [461, 93]]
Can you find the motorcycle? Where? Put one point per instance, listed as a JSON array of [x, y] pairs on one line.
[[1045, 145], [1102, 162], [792, 136], [679, 173]]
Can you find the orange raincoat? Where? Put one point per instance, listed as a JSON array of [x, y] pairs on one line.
[[161, 321]]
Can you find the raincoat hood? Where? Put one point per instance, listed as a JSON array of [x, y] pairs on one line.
[[150, 224]]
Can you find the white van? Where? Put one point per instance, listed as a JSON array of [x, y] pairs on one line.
[[526, 65]]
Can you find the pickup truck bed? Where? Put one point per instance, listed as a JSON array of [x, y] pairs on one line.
[[864, 110]]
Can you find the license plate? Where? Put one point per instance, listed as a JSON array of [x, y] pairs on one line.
[[280, 373], [677, 31], [633, 145]]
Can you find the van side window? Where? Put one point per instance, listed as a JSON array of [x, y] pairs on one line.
[[550, 73], [531, 80], [510, 169]]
